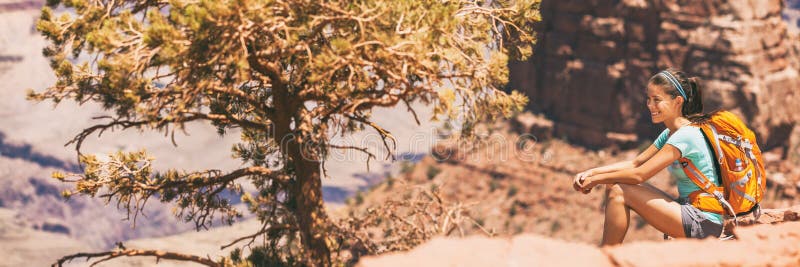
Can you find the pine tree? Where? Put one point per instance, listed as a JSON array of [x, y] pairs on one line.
[[284, 73]]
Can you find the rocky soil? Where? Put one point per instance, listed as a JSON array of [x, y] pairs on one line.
[[760, 245]]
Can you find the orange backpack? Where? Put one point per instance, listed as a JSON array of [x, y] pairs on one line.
[[739, 164]]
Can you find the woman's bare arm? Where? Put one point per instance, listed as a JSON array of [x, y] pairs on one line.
[[636, 175], [623, 165], [628, 164]]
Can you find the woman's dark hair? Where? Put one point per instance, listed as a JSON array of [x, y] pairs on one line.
[[693, 103]]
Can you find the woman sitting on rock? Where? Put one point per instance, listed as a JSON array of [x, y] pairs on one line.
[[674, 100]]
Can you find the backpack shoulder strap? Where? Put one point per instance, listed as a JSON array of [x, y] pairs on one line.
[[699, 179], [696, 176], [712, 149]]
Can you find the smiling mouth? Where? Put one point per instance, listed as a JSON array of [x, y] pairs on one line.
[[655, 113]]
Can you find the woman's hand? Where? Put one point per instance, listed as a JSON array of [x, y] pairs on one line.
[[587, 184], [578, 182]]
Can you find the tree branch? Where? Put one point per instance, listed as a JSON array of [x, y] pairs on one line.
[[362, 149], [209, 181], [270, 70], [264, 229], [160, 122], [136, 252], [384, 134]]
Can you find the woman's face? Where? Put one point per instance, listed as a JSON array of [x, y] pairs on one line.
[[662, 106]]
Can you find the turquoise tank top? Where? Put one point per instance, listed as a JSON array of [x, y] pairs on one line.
[[692, 145]]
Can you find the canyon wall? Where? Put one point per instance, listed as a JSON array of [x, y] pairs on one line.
[[594, 58]]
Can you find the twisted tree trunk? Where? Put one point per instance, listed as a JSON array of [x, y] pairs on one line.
[[310, 211], [306, 191]]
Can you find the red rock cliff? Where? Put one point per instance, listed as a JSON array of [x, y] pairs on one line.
[[594, 58]]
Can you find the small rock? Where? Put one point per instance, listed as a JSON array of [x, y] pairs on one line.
[[778, 178], [790, 191], [537, 126]]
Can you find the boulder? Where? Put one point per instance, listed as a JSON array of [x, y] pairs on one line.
[[762, 245], [759, 245], [523, 250], [532, 125]]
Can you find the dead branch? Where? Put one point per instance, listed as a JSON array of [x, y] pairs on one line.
[[384, 134], [264, 229], [362, 149], [136, 253]]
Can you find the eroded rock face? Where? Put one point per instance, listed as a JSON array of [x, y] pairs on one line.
[[760, 245], [16, 5], [791, 14], [594, 58]]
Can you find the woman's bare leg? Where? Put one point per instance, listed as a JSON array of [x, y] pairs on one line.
[[618, 216], [655, 206]]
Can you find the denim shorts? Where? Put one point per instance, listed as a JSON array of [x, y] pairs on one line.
[[695, 222]]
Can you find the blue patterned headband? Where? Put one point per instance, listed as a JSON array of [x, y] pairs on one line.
[[674, 82]]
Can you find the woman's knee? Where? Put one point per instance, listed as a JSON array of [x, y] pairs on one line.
[[616, 193]]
